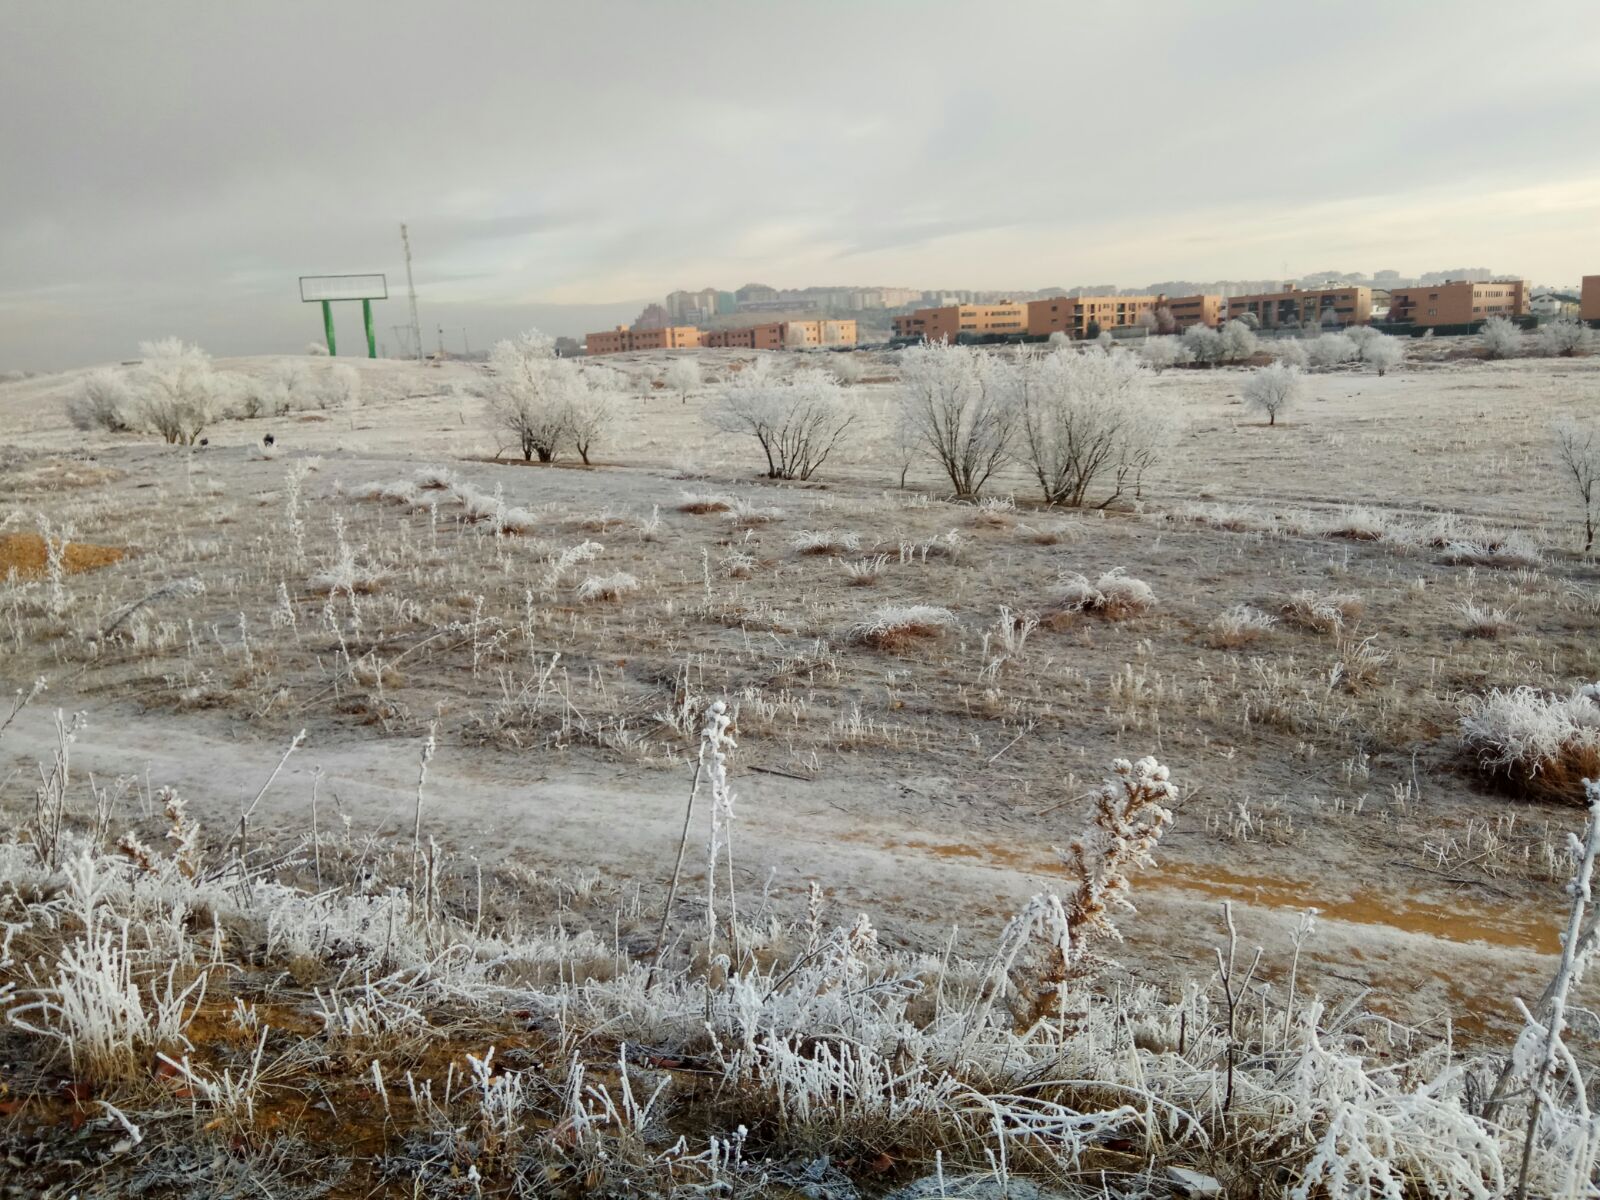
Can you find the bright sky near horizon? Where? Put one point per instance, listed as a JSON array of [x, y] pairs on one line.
[[172, 167]]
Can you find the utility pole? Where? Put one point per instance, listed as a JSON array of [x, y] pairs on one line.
[[441, 341], [411, 289], [466, 350]]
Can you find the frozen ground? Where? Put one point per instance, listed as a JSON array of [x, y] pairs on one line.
[[913, 784]]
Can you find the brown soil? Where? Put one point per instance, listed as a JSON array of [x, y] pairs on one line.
[[25, 554]]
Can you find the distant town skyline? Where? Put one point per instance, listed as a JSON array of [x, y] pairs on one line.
[[173, 166]]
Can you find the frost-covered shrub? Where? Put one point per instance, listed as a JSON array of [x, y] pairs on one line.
[[1331, 350], [1238, 341], [895, 626], [954, 404], [1114, 595], [798, 422], [1564, 337], [102, 401], [1163, 352], [1203, 344], [176, 392], [1501, 338], [1087, 421], [1538, 744], [1290, 352]]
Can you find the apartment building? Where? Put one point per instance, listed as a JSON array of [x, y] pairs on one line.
[[1195, 310], [1349, 305], [1589, 299], [802, 335], [1461, 302], [774, 335], [1074, 315], [949, 323], [622, 338]]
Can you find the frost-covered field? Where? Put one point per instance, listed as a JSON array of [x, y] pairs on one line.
[[234, 950]]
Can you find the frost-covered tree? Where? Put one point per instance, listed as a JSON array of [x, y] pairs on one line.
[[1578, 457], [1146, 321], [1238, 341], [1203, 343], [798, 422], [530, 393], [1291, 352], [847, 368], [102, 401], [316, 349], [1085, 418], [1380, 351], [1163, 352], [1165, 322], [591, 405], [682, 376], [957, 401], [1564, 337], [1501, 339], [1330, 350], [1273, 389], [176, 391]]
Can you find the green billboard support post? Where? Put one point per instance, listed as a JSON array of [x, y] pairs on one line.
[[325, 289]]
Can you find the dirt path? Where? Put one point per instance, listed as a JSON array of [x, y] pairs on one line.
[[1423, 955]]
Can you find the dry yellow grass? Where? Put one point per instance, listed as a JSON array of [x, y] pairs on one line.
[[25, 554]]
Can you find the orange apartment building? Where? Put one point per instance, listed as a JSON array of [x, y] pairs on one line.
[[615, 341], [1292, 306], [1073, 315], [947, 324], [1460, 303], [776, 335], [1589, 299], [1195, 310]]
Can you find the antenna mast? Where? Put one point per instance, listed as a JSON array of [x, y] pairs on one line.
[[411, 289]]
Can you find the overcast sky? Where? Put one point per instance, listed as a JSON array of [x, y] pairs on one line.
[[173, 167]]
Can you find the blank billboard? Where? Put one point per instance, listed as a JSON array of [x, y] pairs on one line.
[[343, 287]]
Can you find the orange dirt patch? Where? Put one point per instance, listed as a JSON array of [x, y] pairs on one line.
[[25, 554]]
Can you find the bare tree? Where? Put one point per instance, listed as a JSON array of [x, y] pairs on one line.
[[1565, 336], [177, 391], [1578, 455], [530, 394], [1165, 321], [958, 404], [1273, 389], [683, 376], [797, 422], [1501, 339]]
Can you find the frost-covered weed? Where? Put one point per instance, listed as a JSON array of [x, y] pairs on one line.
[[895, 626], [1238, 626], [1115, 595], [1325, 613], [825, 541], [1540, 744], [607, 587]]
